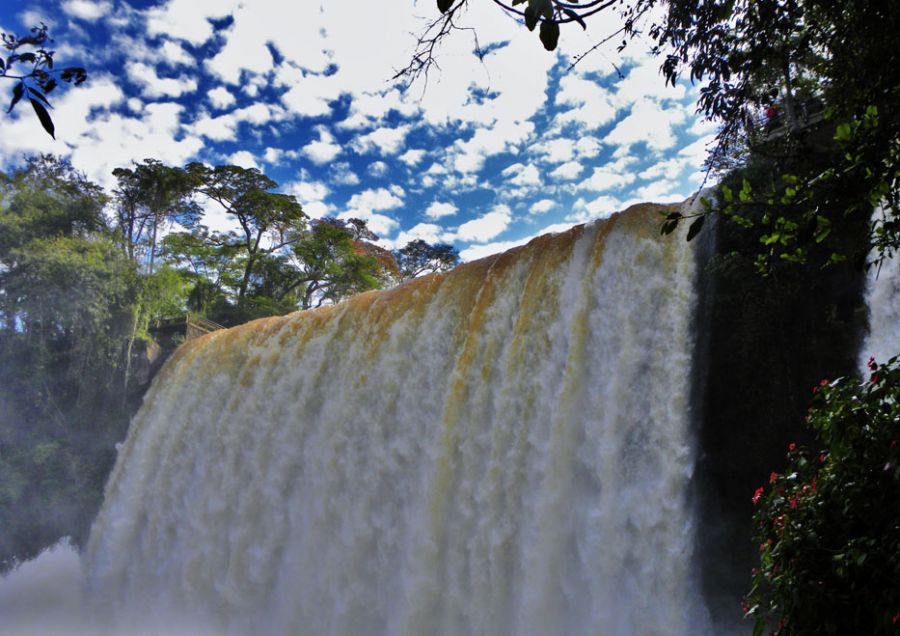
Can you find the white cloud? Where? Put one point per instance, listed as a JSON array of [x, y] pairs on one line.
[[599, 208], [377, 169], [244, 159], [310, 94], [224, 127], [220, 97], [155, 86], [592, 104], [605, 178], [174, 54], [87, 10], [376, 199], [324, 150], [428, 232], [187, 19], [567, 171], [412, 157], [389, 141], [341, 174], [650, 123], [522, 175], [440, 209], [487, 226], [663, 191], [542, 206]]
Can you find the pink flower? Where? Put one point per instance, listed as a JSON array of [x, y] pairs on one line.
[[792, 447]]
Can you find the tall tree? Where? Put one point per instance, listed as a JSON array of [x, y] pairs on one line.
[[418, 257], [331, 264], [149, 196], [270, 221]]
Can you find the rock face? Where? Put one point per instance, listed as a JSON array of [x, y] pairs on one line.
[[768, 342], [146, 359]]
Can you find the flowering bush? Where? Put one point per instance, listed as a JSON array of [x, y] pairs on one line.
[[828, 529]]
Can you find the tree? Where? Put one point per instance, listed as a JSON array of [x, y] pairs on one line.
[[262, 214], [418, 257], [66, 298], [209, 260], [39, 78], [331, 265], [828, 528], [150, 196]]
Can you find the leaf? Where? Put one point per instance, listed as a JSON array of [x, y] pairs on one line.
[[695, 227], [673, 216], [18, 91], [668, 226], [2, 66], [549, 34], [44, 116], [531, 18], [444, 5], [576, 17]]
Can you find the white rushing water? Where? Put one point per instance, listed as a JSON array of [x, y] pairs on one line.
[[883, 300], [506, 449]]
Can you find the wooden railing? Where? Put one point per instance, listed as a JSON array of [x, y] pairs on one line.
[[190, 325]]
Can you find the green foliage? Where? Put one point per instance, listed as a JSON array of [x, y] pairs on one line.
[[39, 77], [149, 197], [418, 257], [246, 194], [331, 264], [828, 528], [67, 300]]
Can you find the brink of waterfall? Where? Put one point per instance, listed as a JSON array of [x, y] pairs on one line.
[[504, 449]]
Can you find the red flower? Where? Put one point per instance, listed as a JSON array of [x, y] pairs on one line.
[[772, 477], [822, 457], [872, 364], [793, 502], [791, 447], [823, 382], [757, 495]]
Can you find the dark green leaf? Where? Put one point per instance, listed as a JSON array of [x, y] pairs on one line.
[[673, 216], [531, 18], [549, 34], [444, 5], [18, 91], [695, 227], [44, 116], [2, 66]]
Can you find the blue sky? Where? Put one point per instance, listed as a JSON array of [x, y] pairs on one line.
[[486, 155]]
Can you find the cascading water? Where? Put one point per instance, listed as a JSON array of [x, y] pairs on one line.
[[883, 300], [506, 449]]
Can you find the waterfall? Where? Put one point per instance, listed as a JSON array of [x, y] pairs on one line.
[[883, 301], [504, 449]]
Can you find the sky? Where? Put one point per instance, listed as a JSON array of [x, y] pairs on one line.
[[491, 151]]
